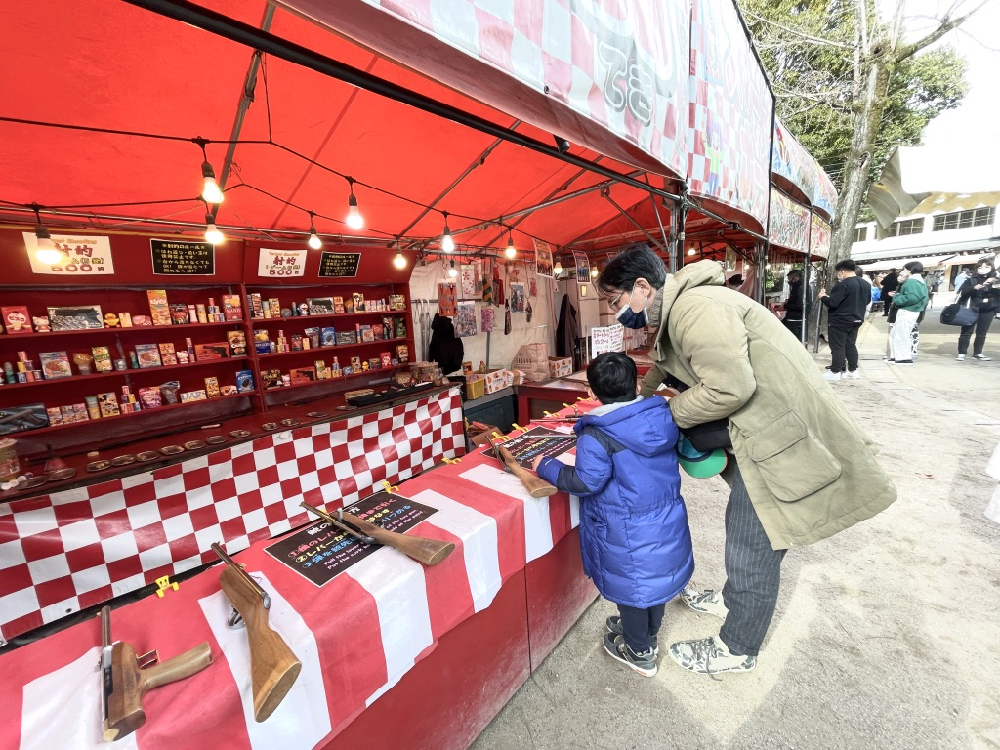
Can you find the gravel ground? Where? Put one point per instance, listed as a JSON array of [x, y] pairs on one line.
[[886, 636]]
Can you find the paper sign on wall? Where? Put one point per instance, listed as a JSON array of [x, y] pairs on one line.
[[82, 255], [543, 258], [607, 339], [281, 262], [582, 266]]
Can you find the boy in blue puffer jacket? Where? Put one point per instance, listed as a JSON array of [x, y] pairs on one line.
[[634, 534]]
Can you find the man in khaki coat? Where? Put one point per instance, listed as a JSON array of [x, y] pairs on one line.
[[803, 469]]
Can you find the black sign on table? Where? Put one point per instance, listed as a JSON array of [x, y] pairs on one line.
[[339, 264], [322, 551], [178, 257]]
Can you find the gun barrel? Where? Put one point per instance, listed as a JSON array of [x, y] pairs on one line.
[[264, 596], [106, 626]]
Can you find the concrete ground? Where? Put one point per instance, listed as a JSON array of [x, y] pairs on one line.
[[886, 636]]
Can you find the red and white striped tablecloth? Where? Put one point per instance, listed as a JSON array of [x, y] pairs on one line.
[[356, 636]]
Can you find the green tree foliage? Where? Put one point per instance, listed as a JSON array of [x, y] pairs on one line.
[[812, 52]]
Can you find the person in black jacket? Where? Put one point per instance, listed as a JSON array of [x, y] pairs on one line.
[[445, 348], [982, 292], [794, 309], [846, 306], [889, 284]]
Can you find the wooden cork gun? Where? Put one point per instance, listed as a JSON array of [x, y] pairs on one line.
[[127, 678], [273, 666], [419, 548], [534, 484]]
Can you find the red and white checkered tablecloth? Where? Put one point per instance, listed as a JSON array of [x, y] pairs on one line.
[[356, 636], [69, 550]]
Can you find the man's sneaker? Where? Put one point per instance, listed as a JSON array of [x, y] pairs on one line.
[[853, 375], [644, 664], [981, 357], [904, 362], [831, 375], [960, 357], [705, 602], [614, 625], [710, 656]]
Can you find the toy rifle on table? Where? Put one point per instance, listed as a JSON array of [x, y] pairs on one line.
[[534, 484], [419, 548], [126, 680], [273, 666]]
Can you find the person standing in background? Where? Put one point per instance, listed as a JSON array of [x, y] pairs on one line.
[[933, 281], [846, 305], [910, 300], [982, 292], [794, 307], [960, 279], [889, 284], [866, 289]]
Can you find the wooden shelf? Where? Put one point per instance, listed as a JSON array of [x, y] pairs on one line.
[[254, 321], [53, 428], [121, 373], [133, 329], [341, 347], [387, 370]]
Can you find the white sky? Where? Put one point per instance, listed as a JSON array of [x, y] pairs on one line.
[[976, 121]]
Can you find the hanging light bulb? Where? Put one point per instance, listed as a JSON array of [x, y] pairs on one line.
[[45, 249], [399, 261], [452, 271], [354, 218], [558, 269], [691, 250], [594, 272], [314, 241], [211, 192], [511, 251], [447, 243], [212, 233]]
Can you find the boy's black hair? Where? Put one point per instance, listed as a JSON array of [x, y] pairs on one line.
[[636, 262], [914, 266], [612, 377], [846, 265]]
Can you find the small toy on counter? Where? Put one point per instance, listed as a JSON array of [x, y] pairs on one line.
[[111, 320], [41, 323]]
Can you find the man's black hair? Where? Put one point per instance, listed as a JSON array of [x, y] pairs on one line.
[[860, 271], [636, 262], [795, 272], [914, 266], [846, 265], [735, 280], [612, 377]]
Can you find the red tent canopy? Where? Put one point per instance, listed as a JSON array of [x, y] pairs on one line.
[[108, 65]]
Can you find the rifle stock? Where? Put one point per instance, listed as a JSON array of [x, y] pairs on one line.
[[130, 684], [419, 548], [274, 667], [534, 484]]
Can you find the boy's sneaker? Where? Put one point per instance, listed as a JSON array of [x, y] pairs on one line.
[[614, 625], [705, 602], [960, 357], [853, 375], [710, 656], [904, 362], [644, 664], [831, 375], [981, 357]]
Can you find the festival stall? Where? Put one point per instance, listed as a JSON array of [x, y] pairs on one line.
[[186, 372]]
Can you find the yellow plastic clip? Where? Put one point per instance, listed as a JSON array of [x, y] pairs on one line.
[[389, 487], [582, 398], [165, 583], [547, 413], [518, 427], [565, 404], [497, 436], [452, 460]]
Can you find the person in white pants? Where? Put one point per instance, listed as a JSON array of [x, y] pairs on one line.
[[910, 299]]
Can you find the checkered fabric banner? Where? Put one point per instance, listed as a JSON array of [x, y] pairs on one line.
[[730, 117], [63, 552], [622, 65]]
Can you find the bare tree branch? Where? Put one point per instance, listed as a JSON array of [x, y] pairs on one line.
[[947, 24], [795, 32]]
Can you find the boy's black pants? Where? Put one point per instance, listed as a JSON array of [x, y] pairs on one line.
[[640, 625]]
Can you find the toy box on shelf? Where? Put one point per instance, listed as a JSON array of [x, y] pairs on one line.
[[560, 367]]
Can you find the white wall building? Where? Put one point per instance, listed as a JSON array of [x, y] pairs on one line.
[[963, 228]]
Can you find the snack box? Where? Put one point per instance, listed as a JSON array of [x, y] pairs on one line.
[[271, 378], [108, 404], [212, 387], [244, 381], [560, 367], [148, 355], [55, 365], [190, 396], [159, 309], [300, 375], [167, 354], [232, 307], [328, 336], [16, 319], [338, 305]]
